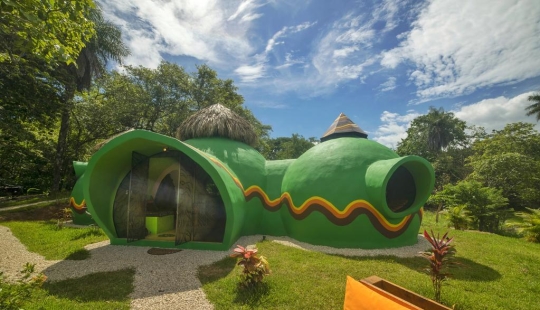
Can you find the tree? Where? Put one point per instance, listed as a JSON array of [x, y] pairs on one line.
[[534, 109], [51, 30], [485, 205], [158, 100], [509, 159], [91, 62], [431, 133], [287, 148], [439, 137]]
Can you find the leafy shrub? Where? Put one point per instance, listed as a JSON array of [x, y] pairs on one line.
[[12, 295], [459, 217], [439, 257], [487, 206], [254, 267], [527, 224]]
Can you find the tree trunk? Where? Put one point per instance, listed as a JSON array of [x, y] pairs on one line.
[[439, 208], [61, 145], [60, 150]]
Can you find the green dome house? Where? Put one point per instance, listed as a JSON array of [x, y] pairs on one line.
[[209, 187]]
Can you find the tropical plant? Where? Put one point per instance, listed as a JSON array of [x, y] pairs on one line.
[[459, 217], [534, 109], [527, 223], [487, 206], [13, 295], [255, 268], [440, 259]]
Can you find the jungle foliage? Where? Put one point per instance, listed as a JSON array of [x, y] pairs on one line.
[[481, 178]]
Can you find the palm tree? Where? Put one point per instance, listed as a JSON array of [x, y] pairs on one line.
[[442, 129], [534, 109], [105, 45]]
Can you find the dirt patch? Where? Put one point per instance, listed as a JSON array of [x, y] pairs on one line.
[[37, 213]]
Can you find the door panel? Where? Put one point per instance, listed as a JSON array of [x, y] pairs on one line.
[[138, 187], [184, 214]]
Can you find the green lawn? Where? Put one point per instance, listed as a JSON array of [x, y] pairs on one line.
[[64, 197], [496, 272], [44, 238], [104, 290]]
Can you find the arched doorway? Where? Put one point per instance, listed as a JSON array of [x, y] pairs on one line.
[[168, 197]]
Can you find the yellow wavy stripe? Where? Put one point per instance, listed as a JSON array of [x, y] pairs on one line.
[[76, 206]]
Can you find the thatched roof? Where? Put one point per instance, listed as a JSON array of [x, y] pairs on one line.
[[343, 127], [217, 121]]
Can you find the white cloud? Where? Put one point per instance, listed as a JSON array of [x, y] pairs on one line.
[[492, 114], [246, 7], [259, 65], [459, 46], [344, 52], [285, 31], [250, 73], [394, 127], [389, 85], [209, 30], [495, 113]]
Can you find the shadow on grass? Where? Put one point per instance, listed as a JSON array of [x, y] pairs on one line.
[[216, 271], [90, 232], [251, 296], [102, 286], [243, 296], [464, 269], [81, 254]]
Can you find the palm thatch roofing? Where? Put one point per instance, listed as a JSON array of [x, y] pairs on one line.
[[343, 127], [217, 121]]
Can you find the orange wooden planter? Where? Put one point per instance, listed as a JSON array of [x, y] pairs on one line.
[[378, 284]]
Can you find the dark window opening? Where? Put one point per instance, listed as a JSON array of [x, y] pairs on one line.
[[400, 190]]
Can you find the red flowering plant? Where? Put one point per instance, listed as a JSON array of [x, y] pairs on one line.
[[254, 267], [440, 258]]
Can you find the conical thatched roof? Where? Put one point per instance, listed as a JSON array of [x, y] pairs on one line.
[[343, 127], [217, 121]]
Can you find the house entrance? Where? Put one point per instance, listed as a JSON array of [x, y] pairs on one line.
[[168, 197]]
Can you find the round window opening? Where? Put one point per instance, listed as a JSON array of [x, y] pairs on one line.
[[400, 190]]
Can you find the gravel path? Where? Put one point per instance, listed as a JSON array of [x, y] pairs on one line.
[[161, 281]]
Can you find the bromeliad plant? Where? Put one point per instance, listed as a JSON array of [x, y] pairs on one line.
[[440, 258], [255, 267]]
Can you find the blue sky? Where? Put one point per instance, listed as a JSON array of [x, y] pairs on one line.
[[299, 64]]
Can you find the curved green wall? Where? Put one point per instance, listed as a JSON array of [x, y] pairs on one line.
[[344, 192]]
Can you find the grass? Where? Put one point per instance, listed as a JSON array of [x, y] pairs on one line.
[[493, 268], [103, 290], [44, 238], [36, 228], [33, 199]]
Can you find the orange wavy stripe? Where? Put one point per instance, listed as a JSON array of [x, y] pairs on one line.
[[79, 208]]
